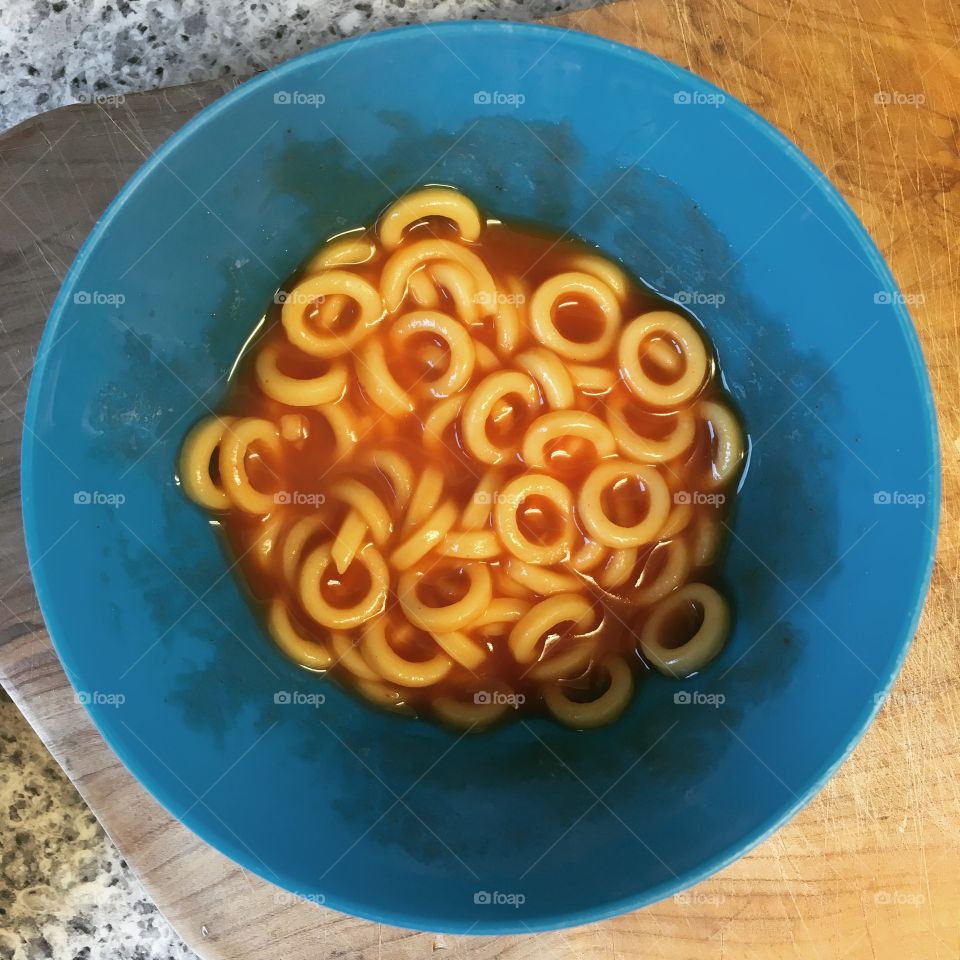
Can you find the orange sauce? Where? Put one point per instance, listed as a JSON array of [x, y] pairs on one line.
[[302, 475]]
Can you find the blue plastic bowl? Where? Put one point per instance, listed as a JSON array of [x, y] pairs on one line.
[[530, 826]]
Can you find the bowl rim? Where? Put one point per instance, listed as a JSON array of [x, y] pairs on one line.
[[545, 919]]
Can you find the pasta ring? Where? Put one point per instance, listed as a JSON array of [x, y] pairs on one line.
[[297, 391], [459, 285], [525, 637], [570, 662], [477, 512], [591, 380], [425, 499], [600, 526], [671, 575], [429, 202], [347, 654], [590, 555], [565, 423], [379, 383], [728, 442], [462, 355], [428, 535], [381, 695], [422, 289], [595, 713], [487, 360], [620, 564], [677, 520], [551, 374], [685, 387], [308, 653], [345, 425], [502, 610], [296, 539], [452, 616], [343, 252], [702, 647], [348, 541], [481, 403], [341, 618], [238, 438], [508, 323], [706, 542], [202, 442], [398, 472], [401, 264], [466, 651], [646, 449], [583, 284], [603, 269], [322, 285], [362, 499], [264, 541], [505, 518], [378, 652], [438, 421], [476, 715], [471, 545], [541, 580]]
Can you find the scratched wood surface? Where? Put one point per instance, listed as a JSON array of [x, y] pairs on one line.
[[868, 90]]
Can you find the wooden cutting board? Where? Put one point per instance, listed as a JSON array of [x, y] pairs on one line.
[[868, 89]]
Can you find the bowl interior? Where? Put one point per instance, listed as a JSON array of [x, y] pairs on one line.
[[531, 825]]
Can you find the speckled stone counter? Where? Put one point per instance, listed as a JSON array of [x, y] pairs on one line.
[[65, 892], [54, 52]]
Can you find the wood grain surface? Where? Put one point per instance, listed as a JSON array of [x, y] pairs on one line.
[[870, 868]]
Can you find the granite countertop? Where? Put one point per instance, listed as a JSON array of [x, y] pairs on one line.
[[55, 52], [65, 891]]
